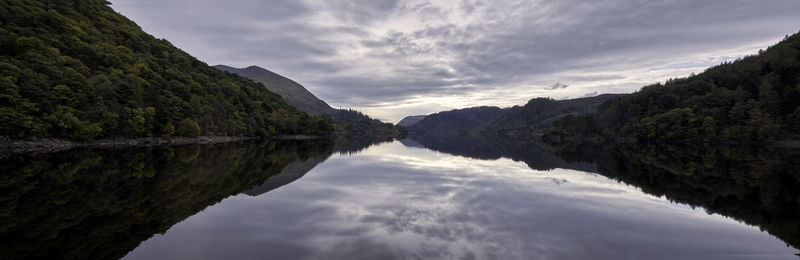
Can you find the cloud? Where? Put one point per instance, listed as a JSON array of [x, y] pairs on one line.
[[378, 54], [590, 94], [557, 85]]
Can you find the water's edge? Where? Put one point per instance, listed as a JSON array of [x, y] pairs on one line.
[[47, 145]]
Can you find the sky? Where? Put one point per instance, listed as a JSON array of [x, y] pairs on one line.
[[394, 58]]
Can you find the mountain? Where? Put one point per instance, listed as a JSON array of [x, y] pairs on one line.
[[755, 98], [411, 120], [520, 121], [459, 120], [346, 121], [79, 70], [294, 93]]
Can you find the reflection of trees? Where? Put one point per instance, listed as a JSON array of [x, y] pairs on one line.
[[486, 147], [352, 144], [758, 186], [100, 204]]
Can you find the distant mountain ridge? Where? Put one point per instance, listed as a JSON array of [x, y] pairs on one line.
[[531, 119], [459, 120], [347, 122], [411, 120], [291, 91]]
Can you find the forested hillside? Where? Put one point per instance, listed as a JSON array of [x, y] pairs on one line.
[[353, 123], [540, 113], [77, 69], [754, 98]]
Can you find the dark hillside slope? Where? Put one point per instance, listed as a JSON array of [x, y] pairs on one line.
[[294, 93], [77, 69], [458, 121], [411, 120]]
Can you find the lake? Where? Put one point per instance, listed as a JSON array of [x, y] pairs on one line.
[[421, 198]]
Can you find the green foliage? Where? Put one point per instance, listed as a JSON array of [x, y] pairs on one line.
[[79, 70], [188, 127], [354, 123], [753, 98]]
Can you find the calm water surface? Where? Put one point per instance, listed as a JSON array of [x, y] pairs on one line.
[[456, 199], [394, 201]]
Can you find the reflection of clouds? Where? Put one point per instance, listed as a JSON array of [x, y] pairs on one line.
[[390, 202], [558, 181]]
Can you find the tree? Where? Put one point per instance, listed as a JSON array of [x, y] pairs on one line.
[[769, 98], [796, 116], [709, 128], [188, 127]]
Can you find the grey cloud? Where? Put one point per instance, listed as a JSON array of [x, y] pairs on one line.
[[469, 6], [342, 90], [362, 11], [557, 85], [591, 94], [362, 58]]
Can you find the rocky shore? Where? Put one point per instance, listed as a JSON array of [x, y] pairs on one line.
[[55, 145]]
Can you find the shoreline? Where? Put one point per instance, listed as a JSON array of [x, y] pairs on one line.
[[51, 145]]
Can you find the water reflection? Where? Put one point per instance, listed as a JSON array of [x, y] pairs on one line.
[[100, 204], [756, 185], [397, 202], [759, 186], [465, 198]]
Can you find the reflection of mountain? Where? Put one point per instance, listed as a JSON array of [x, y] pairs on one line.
[[759, 186], [95, 204], [535, 155], [408, 142], [297, 169], [292, 172]]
